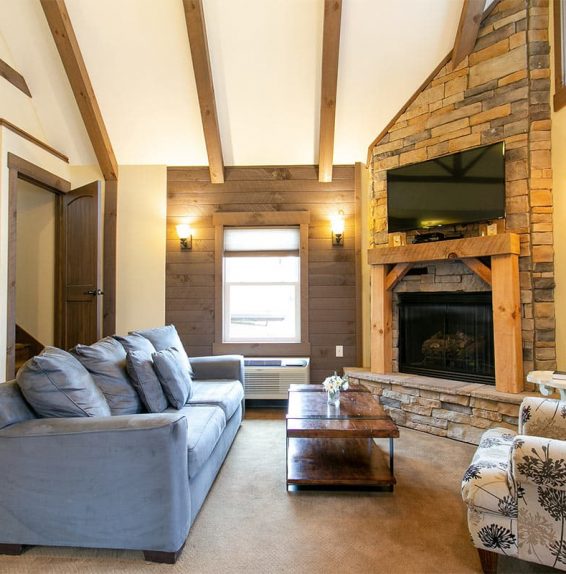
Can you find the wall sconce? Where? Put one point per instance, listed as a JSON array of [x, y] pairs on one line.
[[185, 236], [338, 229]]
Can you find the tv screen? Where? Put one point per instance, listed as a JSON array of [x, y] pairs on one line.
[[464, 187]]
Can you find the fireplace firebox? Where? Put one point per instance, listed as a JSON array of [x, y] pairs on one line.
[[447, 335]]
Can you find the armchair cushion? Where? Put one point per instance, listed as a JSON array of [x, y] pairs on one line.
[[55, 384], [226, 394], [105, 360], [486, 486], [173, 374], [145, 380]]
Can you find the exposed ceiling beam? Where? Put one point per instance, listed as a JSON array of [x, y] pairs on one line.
[[468, 28], [330, 51], [196, 29], [14, 77], [66, 41]]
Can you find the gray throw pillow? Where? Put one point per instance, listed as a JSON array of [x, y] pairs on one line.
[[144, 378], [55, 384], [105, 360], [135, 342], [173, 376], [166, 338]]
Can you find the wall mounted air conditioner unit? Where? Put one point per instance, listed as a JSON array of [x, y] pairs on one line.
[[269, 378]]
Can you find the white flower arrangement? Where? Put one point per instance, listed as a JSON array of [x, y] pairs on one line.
[[335, 383]]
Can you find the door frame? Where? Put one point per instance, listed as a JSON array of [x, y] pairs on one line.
[[19, 168]]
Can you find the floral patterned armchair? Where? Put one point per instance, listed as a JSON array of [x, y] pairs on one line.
[[515, 488]]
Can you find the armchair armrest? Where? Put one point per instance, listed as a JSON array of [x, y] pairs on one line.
[[543, 418], [219, 367], [107, 482]]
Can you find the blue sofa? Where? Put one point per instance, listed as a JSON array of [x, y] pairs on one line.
[[129, 481]]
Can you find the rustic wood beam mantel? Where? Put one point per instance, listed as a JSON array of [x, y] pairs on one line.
[[73, 62], [14, 77], [329, 84], [468, 28], [503, 277], [196, 28]]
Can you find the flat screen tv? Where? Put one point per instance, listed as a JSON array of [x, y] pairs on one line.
[[464, 187]]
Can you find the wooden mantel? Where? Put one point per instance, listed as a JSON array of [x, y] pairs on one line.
[[390, 265]]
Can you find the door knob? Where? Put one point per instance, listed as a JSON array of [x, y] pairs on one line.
[[94, 292]]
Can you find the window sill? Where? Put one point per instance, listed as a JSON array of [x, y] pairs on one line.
[[262, 349]]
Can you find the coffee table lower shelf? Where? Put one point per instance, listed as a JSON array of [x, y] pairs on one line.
[[339, 462]]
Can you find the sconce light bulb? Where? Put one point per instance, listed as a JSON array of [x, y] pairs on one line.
[[183, 230]]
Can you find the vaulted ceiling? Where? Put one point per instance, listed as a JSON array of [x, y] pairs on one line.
[[266, 66]]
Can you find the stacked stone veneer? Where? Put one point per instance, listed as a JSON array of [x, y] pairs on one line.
[[500, 92], [453, 409]]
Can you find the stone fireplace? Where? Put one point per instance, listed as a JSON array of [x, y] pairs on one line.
[[448, 335]]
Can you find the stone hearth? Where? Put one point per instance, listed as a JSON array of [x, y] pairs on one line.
[[453, 409]]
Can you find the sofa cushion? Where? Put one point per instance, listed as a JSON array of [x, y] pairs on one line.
[[105, 360], [13, 407], [145, 380], [135, 342], [165, 338], [223, 393], [205, 426], [173, 375], [486, 486], [55, 384]]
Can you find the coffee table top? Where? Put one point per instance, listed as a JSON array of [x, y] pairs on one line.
[[357, 415]]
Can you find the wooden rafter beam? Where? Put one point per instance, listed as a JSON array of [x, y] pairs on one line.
[[468, 28], [196, 29], [68, 47], [14, 77], [329, 83]]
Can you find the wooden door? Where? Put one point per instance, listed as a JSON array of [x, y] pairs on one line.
[[81, 269]]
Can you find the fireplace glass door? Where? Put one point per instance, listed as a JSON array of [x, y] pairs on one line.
[[447, 335]]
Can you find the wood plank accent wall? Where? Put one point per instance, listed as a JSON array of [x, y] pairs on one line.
[[333, 283]]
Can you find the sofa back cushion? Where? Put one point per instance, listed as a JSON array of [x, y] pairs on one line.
[[13, 407], [173, 375], [55, 384], [144, 378], [105, 360], [165, 338]]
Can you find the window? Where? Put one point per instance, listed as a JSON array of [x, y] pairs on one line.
[[261, 281], [559, 7], [261, 291]]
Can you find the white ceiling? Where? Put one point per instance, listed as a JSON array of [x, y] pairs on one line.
[[266, 60]]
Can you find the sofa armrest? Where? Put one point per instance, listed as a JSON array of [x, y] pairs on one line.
[[543, 418], [219, 367], [108, 482]]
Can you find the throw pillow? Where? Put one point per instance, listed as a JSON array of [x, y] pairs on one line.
[[173, 375], [105, 360], [55, 384], [140, 369], [166, 338], [135, 342]]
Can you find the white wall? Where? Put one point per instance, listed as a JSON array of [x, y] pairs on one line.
[[35, 261], [140, 258], [559, 195]]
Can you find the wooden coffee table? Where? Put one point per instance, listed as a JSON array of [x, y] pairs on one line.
[[332, 446]]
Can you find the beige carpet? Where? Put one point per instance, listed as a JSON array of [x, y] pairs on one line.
[[250, 524]]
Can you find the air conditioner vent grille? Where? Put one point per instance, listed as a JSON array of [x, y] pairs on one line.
[[270, 382]]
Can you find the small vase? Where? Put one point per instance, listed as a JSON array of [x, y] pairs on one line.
[[334, 397]]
